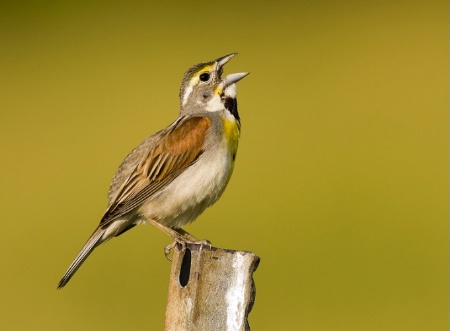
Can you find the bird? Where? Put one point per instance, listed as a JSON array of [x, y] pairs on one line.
[[174, 175]]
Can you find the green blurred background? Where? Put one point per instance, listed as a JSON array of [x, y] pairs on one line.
[[341, 179]]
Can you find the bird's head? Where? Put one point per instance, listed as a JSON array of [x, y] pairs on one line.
[[203, 88]]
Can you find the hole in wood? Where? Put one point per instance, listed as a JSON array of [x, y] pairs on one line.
[[185, 270]]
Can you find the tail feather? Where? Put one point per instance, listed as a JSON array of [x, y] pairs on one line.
[[93, 241]]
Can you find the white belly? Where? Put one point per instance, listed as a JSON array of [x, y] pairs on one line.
[[197, 188]]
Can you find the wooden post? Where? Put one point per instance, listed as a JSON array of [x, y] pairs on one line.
[[210, 289]]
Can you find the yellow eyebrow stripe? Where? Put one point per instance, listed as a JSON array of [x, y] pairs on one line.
[[194, 80]]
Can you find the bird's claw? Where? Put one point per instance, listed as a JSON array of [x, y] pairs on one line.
[[183, 242], [168, 248]]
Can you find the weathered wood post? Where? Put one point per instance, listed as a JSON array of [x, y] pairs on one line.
[[210, 289]]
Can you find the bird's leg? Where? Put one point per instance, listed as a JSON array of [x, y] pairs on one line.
[[179, 236], [192, 239], [187, 235]]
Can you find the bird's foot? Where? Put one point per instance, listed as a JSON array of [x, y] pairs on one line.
[[180, 236], [183, 241]]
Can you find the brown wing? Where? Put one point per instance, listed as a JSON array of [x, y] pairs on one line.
[[175, 150]]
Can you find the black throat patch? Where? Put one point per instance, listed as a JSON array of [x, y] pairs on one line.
[[231, 106]]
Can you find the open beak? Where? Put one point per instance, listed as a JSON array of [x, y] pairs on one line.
[[232, 78]]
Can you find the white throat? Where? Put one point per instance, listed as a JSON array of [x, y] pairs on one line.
[[215, 104], [230, 91]]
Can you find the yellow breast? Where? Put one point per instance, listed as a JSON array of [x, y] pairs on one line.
[[232, 130]]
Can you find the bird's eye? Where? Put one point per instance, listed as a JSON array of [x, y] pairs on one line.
[[204, 76]]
